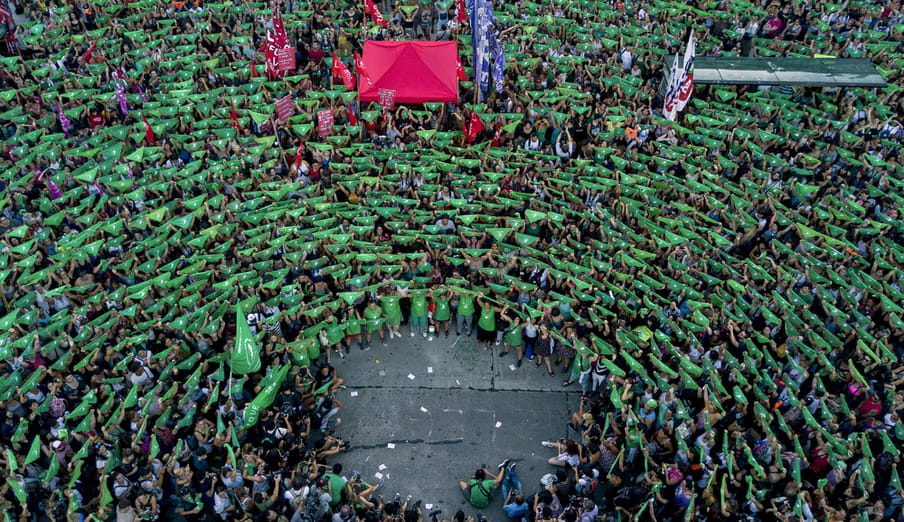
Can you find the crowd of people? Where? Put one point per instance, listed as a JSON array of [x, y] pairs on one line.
[[724, 290]]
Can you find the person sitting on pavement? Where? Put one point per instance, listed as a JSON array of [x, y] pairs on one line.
[[514, 506], [480, 486]]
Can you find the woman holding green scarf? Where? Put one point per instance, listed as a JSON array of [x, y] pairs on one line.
[[393, 313], [353, 324], [513, 336], [373, 317], [486, 323], [335, 333], [442, 310], [464, 318], [417, 320]]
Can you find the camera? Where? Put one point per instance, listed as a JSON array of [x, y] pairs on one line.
[[382, 141]]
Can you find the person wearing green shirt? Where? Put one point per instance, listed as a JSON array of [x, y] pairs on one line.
[[479, 488], [464, 317], [486, 323], [334, 335], [633, 440], [335, 484], [513, 338], [393, 313], [373, 319], [352, 328], [417, 321], [442, 311]]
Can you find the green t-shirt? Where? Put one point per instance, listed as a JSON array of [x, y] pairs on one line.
[[337, 485], [334, 332], [353, 326], [480, 497], [466, 305], [487, 319], [302, 349], [419, 306], [390, 305], [633, 438], [513, 336], [373, 315], [442, 312]]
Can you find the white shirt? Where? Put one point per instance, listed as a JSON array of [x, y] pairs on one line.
[[293, 496], [627, 60], [221, 504]]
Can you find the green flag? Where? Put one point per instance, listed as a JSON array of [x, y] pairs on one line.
[[246, 357], [17, 490], [34, 453], [105, 497], [265, 397]]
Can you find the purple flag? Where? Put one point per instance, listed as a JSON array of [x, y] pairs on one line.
[[144, 98], [64, 121], [55, 192], [121, 96]]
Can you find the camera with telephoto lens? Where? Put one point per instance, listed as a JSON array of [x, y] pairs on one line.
[[382, 141]]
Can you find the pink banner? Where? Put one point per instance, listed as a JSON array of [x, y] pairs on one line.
[[284, 108], [387, 98], [325, 122]]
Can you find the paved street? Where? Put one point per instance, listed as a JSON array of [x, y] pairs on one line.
[[424, 414]]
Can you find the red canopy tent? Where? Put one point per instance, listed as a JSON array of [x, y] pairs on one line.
[[418, 71]]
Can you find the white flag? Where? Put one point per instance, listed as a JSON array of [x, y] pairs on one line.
[[670, 106], [686, 87]]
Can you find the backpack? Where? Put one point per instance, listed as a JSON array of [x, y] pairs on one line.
[[585, 486]]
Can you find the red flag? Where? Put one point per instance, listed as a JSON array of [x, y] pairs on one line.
[[235, 118], [254, 73], [352, 118], [375, 14], [460, 69], [270, 57], [362, 71], [149, 132], [460, 13], [340, 70], [90, 51], [473, 127], [279, 55], [279, 29], [495, 142]]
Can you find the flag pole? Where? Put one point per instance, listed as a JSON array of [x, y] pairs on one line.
[[281, 152], [229, 388]]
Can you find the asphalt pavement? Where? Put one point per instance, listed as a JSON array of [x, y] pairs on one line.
[[423, 415]]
